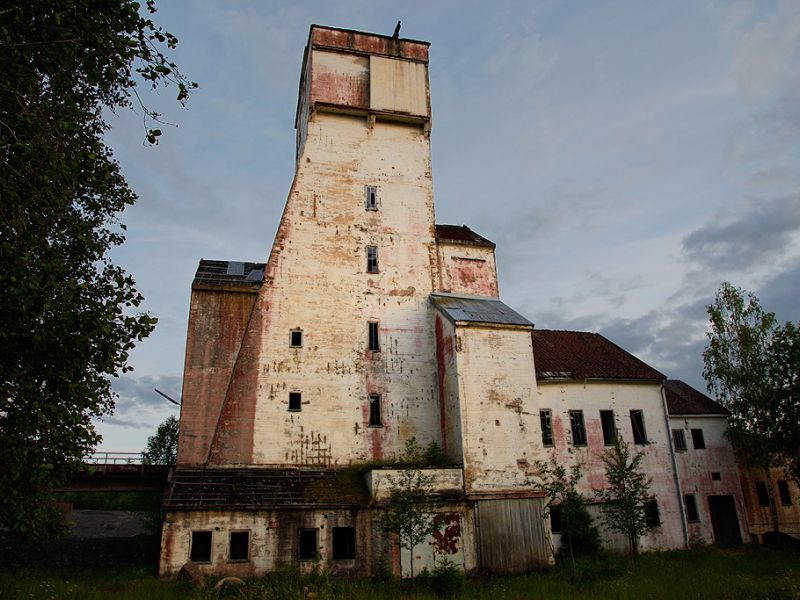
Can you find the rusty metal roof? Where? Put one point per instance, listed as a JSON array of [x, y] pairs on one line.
[[477, 309], [579, 355], [683, 399], [461, 234], [228, 272]]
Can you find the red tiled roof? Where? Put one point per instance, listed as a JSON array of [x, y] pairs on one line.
[[461, 234], [579, 355], [683, 399]]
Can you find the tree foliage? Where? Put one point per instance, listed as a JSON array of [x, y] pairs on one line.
[[162, 448], [627, 493], [67, 314]]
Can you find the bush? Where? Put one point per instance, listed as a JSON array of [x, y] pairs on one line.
[[447, 580], [578, 531]]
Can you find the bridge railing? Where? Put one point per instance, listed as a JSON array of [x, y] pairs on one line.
[[114, 458]]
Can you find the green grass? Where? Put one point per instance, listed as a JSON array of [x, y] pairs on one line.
[[747, 572]]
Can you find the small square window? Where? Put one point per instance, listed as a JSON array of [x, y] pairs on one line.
[[652, 516], [375, 411], [344, 543], [239, 549], [372, 259], [296, 340], [609, 427], [555, 519], [295, 401], [546, 421], [691, 508], [578, 427], [371, 197], [307, 544], [763, 495], [716, 476], [200, 549], [698, 441], [783, 492], [637, 424], [679, 440], [374, 342]]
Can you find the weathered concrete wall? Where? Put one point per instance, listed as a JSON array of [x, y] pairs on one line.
[[454, 541], [447, 380], [467, 269], [760, 517], [591, 397], [381, 480], [695, 468], [341, 79]]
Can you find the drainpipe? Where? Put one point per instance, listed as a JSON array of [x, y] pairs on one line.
[[684, 521]]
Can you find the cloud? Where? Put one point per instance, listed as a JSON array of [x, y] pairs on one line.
[[138, 405]]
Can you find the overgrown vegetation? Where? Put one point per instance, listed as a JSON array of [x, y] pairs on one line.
[[162, 447]]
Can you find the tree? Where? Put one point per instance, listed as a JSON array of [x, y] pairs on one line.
[[162, 448], [627, 494], [752, 366], [67, 314]]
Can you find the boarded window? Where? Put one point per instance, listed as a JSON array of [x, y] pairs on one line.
[[375, 411], [716, 476], [637, 424], [374, 343], [546, 421], [652, 516], [239, 546], [296, 339], [307, 544], [295, 401], [200, 550], [372, 259], [763, 495], [609, 427], [691, 508], [783, 492], [371, 197], [555, 519], [679, 439], [344, 543], [578, 427], [698, 441]]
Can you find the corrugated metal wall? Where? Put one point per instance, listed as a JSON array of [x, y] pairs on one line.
[[512, 537]]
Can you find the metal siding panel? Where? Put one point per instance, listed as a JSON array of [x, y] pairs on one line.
[[398, 85], [512, 536]]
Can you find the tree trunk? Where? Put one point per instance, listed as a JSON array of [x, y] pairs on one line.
[[773, 506]]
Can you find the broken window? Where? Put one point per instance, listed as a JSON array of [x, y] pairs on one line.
[[637, 424], [691, 508], [679, 440], [372, 259], [200, 548], [375, 411], [295, 401], [578, 427], [698, 441], [546, 420], [716, 476], [783, 492], [371, 197], [239, 548], [296, 340], [344, 543], [609, 427], [763, 495], [374, 344], [307, 544], [652, 516], [555, 519]]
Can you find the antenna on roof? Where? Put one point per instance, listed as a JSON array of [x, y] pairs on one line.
[[396, 33]]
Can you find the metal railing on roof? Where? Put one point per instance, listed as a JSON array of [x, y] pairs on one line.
[[114, 458]]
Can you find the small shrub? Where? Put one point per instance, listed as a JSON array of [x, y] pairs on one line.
[[434, 455], [578, 531], [447, 580]]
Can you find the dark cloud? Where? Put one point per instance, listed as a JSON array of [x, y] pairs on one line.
[[781, 292], [138, 405]]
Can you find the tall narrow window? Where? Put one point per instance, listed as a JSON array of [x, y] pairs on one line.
[[546, 421], [637, 424], [372, 259], [652, 516], [375, 411], [578, 427], [344, 543], [679, 440], [371, 197], [783, 492], [296, 338], [307, 544], [295, 401], [200, 548], [555, 519], [763, 495], [609, 427], [691, 508], [698, 441], [374, 343], [239, 548]]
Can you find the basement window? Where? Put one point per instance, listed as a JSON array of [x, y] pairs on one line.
[[716, 476], [698, 441], [546, 422], [555, 519], [239, 548], [375, 411], [763, 495], [307, 544], [652, 516], [296, 339], [783, 492], [691, 508], [200, 548], [374, 343], [578, 427], [372, 259], [679, 440], [371, 197], [609, 427], [637, 424], [295, 401], [344, 543]]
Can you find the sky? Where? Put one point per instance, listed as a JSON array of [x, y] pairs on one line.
[[625, 157]]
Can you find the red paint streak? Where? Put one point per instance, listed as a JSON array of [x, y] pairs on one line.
[[473, 277], [447, 534]]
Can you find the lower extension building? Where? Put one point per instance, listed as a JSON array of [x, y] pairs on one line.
[[369, 325]]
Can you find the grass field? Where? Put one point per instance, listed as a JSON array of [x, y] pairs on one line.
[[746, 572]]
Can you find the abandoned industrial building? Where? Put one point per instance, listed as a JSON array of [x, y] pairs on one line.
[[370, 324]]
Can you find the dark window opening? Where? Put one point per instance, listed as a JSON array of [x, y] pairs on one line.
[[609, 427], [201, 546], [307, 544], [371, 197], [344, 543], [698, 441], [555, 519], [295, 401], [691, 508], [374, 344], [637, 424], [239, 545], [546, 421], [372, 259], [375, 411], [679, 440], [296, 338], [652, 517], [578, 427], [763, 495], [716, 476], [783, 492]]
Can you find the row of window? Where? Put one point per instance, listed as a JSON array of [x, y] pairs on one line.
[[296, 337], [578, 427], [375, 407], [783, 493], [343, 545], [679, 439]]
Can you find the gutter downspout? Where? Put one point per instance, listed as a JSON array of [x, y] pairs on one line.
[[684, 522]]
